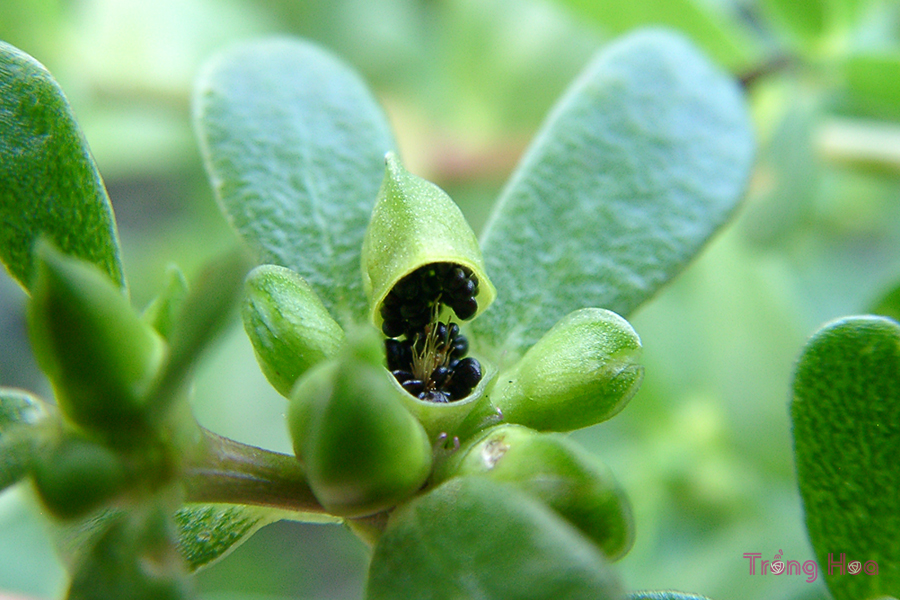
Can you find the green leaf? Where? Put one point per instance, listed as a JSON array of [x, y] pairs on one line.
[[19, 413], [872, 83], [722, 39], [208, 532], [49, 184], [203, 313], [846, 426], [474, 538], [163, 311], [666, 595], [644, 157], [134, 558], [294, 144]]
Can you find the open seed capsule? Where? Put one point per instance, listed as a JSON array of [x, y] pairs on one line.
[[363, 451], [418, 253], [581, 372], [558, 472], [290, 328], [99, 355]]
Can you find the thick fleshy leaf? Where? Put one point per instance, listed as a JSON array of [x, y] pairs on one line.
[[19, 412], [643, 158], [475, 538], [294, 144], [49, 184], [846, 427]]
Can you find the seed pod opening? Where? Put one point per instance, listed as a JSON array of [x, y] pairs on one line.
[[289, 327], [420, 257]]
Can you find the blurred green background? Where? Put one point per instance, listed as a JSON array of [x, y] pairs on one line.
[[704, 449]]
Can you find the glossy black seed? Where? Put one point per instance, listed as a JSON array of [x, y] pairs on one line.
[[465, 309], [434, 396], [441, 332], [466, 290], [401, 375], [440, 375], [452, 332], [467, 372], [460, 347], [398, 354], [455, 279], [413, 386], [393, 328]]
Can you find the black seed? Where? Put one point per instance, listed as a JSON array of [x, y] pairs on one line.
[[392, 300], [397, 353], [413, 386], [452, 332], [439, 375], [467, 372], [441, 332], [431, 285], [466, 290], [455, 279], [465, 309], [392, 328], [460, 347], [401, 375]]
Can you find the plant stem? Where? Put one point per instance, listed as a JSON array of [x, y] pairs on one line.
[[228, 471]]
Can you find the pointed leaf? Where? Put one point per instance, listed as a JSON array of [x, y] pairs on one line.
[[294, 144], [846, 426], [49, 184], [641, 161], [474, 538], [207, 532]]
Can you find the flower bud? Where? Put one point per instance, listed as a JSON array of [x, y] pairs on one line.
[[558, 472], [581, 372], [419, 236], [99, 355], [75, 476], [290, 328], [363, 451]]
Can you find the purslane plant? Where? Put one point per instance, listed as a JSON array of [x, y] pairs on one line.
[[428, 371]]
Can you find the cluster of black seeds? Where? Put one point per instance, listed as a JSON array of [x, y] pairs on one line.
[[433, 365], [430, 360], [413, 302]]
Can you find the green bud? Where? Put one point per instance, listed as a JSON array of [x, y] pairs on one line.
[[363, 451], [581, 372], [558, 472], [414, 224], [99, 355], [163, 311], [75, 476], [290, 328]]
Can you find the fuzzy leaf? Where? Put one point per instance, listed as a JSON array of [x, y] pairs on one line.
[[294, 144], [437, 542], [49, 184], [207, 532], [642, 159], [846, 427]]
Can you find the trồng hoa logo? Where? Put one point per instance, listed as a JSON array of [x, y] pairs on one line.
[[810, 567]]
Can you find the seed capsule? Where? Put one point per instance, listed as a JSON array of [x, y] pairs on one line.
[[418, 247], [549, 467], [288, 325], [363, 451], [581, 372]]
